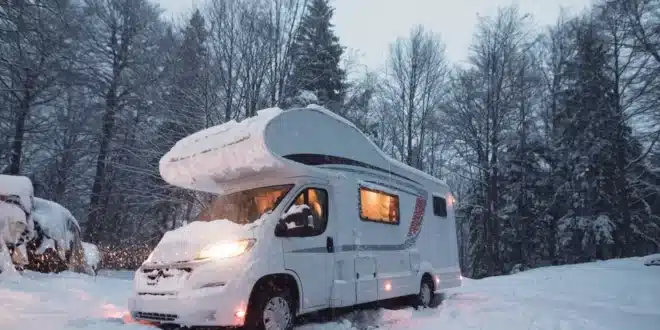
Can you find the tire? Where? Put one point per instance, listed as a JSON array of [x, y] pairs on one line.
[[271, 309], [426, 298]]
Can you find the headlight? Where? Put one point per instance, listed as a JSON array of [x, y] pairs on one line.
[[225, 249]]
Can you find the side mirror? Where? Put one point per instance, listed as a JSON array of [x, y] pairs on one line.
[[294, 222], [280, 229]]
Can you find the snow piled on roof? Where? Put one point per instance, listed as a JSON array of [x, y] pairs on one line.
[[53, 218], [17, 185], [219, 153]]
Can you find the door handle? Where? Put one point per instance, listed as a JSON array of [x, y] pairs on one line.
[[330, 244]]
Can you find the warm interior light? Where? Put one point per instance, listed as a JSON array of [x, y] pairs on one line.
[[225, 249], [240, 313], [388, 286]]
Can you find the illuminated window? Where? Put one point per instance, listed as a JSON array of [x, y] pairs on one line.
[[379, 206]]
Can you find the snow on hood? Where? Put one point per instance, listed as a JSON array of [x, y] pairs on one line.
[[184, 243]]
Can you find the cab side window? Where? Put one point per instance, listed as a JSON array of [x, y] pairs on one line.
[[310, 202]]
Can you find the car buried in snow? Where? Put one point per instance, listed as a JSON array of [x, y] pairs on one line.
[[37, 234], [305, 214]]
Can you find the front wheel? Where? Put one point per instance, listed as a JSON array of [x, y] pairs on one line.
[[271, 310]]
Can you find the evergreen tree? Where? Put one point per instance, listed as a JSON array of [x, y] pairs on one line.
[[185, 111], [596, 147], [316, 57]]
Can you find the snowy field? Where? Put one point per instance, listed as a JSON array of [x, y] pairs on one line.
[[616, 294]]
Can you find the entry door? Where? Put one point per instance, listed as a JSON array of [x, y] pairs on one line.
[[309, 252]]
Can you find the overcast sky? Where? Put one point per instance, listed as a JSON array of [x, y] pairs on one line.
[[369, 26]]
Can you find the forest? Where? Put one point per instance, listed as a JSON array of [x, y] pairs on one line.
[[548, 135]]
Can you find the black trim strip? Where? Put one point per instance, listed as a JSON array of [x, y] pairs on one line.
[[319, 159]]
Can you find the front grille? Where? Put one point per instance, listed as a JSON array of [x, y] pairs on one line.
[[155, 316], [155, 294], [148, 269]]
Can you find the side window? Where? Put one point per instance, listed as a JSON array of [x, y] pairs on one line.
[[379, 206], [439, 206], [314, 202]]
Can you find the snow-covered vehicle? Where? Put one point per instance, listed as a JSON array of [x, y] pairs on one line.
[[652, 260], [307, 214], [36, 233], [16, 224], [57, 243]]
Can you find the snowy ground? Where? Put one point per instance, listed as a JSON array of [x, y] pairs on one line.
[[617, 294]]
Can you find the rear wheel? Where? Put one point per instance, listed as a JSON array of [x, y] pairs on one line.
[[426, 297], [272, 309]]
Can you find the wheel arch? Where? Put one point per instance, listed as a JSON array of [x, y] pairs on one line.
[[285, 279], [425, 269]]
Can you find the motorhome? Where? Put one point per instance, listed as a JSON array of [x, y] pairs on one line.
[[306, 214]]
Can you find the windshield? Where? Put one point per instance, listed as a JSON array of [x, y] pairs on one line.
[[245, 206]]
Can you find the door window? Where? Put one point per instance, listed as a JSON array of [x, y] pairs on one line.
[[308, 214]]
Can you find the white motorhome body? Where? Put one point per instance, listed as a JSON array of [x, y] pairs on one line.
[[372, 228]]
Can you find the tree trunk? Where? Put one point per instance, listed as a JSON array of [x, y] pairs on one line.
[[19, 134], [96, 210]]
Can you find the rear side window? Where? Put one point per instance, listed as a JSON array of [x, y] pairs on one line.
[[439, 206], [379, 206]]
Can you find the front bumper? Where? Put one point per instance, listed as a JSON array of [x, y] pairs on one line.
[[204, 307], [200, 298]]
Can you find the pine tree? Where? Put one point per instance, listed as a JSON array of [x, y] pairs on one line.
[[316, 57], [189, 74], [185, 113], [596, 146]]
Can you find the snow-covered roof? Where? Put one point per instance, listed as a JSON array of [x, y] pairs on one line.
[[17, 185], [220, 153], [217, 156]]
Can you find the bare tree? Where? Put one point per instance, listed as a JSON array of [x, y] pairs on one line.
[[284, 18], [484, 100], [414, 88], [35, 51], [121, 43]]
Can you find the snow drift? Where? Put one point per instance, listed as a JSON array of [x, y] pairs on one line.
[[562, 297]]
